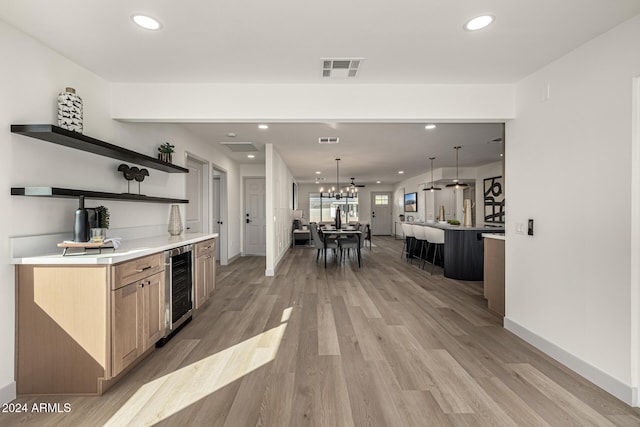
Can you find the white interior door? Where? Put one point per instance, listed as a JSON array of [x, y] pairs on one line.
[[381, 213], [255, 227], [197, 194]]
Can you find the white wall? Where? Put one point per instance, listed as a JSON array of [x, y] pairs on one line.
[[429, 202], [364, 199], [279, 184], [569, 167], [30, 82], [300, 102]]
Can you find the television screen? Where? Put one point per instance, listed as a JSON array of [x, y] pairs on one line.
[[411, 202]]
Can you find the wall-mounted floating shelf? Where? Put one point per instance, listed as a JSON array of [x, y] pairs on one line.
[[58, 135], [67, 192]]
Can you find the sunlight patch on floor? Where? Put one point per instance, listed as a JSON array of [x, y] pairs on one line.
[[167, 395]]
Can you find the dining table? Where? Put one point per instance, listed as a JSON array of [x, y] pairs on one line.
[[327, 232]]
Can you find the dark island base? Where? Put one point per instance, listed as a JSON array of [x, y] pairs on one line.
[[463, 254]]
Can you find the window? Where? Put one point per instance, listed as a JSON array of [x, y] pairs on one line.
[[382, 199], [323, 209]]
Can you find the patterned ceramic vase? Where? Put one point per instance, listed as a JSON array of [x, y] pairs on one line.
[[175, 222], [70, 110]]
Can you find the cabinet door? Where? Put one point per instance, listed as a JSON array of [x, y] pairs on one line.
[[200, 281], [152, 290], [126, 305], [210, 274]]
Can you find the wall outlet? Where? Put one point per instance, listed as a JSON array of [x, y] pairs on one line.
[[519, 227]]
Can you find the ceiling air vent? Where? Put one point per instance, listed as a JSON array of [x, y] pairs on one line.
[[341, 68], [240, 147], [328, 140]]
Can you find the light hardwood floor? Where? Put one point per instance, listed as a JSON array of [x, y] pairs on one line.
[[385, 345]]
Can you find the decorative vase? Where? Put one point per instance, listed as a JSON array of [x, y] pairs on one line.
[[81, 223], [70, 110], [175, 222], [466, 210], [338, 221], [441, 213], [165, 157]]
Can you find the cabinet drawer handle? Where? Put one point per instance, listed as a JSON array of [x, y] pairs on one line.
[[208, 256], [143, 269], [207, 247]]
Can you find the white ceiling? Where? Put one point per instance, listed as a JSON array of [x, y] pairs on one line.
[[283, 41]]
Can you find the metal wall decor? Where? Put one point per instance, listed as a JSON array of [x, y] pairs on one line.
[[494, 200], [131, 173]]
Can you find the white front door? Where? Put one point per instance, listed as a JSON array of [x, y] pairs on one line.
[[215, 205], [381, 213], [255, 227]]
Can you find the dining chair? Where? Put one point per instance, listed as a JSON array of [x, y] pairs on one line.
[[318, 242], [435, 236], [420, 234], [407, 229], [350, 242]]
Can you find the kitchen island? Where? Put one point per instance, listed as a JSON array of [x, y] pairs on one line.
[[83, 321], [463, 250]]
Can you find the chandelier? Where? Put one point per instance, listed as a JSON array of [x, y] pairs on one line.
[[350, 192]]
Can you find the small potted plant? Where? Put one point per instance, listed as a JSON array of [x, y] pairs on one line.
[[164, 152], [100, 233]]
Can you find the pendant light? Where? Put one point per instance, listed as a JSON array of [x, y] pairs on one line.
[[456, 182], [338, 195], [432, 188]]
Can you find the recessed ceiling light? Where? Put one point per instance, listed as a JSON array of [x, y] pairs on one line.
[[430, 126], [400, 172], [318, 172], [378, 182], [146, 22], [478, 23], [251, 156], [263, 126], [231, 134], [328, 140]]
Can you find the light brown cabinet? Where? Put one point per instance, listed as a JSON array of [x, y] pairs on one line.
[[137, 319], [79, 326], [205, 274], [494, 278]]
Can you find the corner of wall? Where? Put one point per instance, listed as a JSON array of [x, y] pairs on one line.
[[8, 392], [618, 389]]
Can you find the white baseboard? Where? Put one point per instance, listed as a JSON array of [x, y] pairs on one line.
[[8, 392], [269, 272], [624, 392]]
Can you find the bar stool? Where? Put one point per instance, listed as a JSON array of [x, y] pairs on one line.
[[420, 234], [436, 237], [408, 232]]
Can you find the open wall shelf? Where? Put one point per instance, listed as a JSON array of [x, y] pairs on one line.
[[58, 135], [66, 192]]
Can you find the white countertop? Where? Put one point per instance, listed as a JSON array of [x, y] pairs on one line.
[[493, 236], [129, 249]]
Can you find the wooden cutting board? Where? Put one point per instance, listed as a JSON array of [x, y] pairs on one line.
[[85, 245]]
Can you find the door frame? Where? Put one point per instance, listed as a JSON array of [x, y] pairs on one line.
[[206, 200], [222, 248]]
